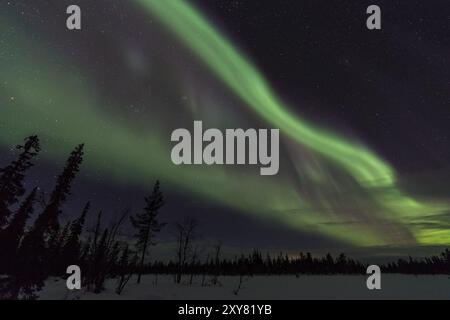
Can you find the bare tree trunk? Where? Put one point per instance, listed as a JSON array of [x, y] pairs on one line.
[[205, 270], [193, 261], [124, 278], [179, 254], [141, 264], [185, 235], [215, 279]]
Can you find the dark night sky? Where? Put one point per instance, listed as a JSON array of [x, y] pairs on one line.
[[390, 88]]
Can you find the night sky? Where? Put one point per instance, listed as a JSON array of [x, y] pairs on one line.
[[391, 87], [363, 115]]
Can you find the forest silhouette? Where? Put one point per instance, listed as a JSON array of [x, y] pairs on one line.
[[30, 253]]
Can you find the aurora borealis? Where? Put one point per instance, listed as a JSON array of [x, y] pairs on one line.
[[125, 92]]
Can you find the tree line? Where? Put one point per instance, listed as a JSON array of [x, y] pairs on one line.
[[32, 252]]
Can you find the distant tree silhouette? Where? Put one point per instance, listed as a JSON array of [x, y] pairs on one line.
[[429, 265], [194, 261], [185, 234], [217, 252], [12, 176], [99, 256], [147, 224]]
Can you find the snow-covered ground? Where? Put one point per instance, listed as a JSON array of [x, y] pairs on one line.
[[266, 287]]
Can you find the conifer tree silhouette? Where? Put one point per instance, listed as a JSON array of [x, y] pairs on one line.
[[54, 249], [48, 219], [10, 237], [42, 241], [12, 176], [125, 269], [147, 224], [71, 250]]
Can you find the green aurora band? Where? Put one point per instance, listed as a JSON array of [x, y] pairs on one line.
[[114, 148], [246, 82]]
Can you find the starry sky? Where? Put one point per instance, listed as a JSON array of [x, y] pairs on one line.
[[363, 115]]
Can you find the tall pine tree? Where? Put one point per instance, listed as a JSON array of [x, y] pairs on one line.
[[12, 176], [34, 250], [147, 224], [48, 219]]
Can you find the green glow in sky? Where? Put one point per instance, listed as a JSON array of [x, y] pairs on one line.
[[247, 83], [348, 193]]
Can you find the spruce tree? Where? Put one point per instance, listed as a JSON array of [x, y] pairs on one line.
[[72, 247], [54, 249], [12, 176], [40, 243], [125, 269], [147, 224], [10, 237], [48, 219]]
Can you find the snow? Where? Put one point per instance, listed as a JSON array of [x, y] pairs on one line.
[[264, 288]]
